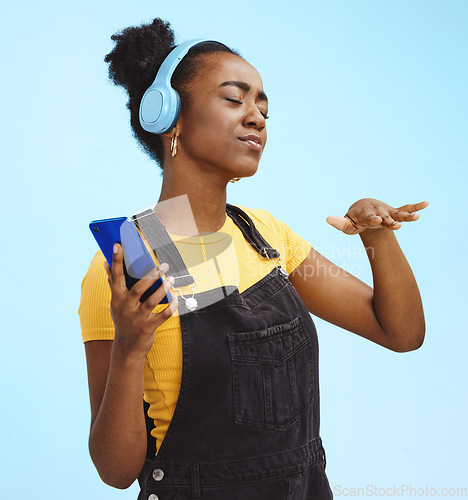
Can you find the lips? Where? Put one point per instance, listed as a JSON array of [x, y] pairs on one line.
[[254, 142]]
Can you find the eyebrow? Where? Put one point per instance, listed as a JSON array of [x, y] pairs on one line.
[[244, 86]]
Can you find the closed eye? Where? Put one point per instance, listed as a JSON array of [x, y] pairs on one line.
[[240, 102]]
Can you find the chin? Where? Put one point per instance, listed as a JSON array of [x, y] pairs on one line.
[[243, 173], [247, 169]]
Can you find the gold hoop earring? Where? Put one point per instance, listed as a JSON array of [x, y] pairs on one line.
[[174, 145], [235, 179]]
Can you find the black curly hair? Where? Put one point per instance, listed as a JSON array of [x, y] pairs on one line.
[[134, 61]]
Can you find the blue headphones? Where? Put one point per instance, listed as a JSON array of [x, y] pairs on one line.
[[160, 104]]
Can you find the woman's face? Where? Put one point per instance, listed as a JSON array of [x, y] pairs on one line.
[[223, 127]]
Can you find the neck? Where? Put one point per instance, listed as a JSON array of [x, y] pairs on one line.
[[193, 203]]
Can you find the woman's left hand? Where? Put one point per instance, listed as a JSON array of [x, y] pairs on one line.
[[371, 215]]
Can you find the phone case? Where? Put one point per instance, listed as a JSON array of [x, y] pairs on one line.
[[137, 260]]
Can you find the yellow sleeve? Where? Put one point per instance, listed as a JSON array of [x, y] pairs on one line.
[[293, 248], [94, 310]]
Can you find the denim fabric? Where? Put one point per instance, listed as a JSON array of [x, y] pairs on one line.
[[261, 361], [246, 424]]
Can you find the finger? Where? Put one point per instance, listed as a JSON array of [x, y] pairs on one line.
[[370, 220], [157, 296], [157, 271], [414, 207], [389, 222], [364, 217], [166, 313], [107, 268], [373, 220], [342, 224], [147, 281], [402, 216], [117, 277]]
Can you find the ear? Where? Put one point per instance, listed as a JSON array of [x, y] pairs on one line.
[[174, 130]]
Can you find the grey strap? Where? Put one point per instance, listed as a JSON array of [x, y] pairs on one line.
[[163, 246]]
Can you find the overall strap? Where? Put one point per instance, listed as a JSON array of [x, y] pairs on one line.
[[162, 245], [165, 250], [246, 225]]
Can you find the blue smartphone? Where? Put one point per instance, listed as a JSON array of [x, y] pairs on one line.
[[137, 260]]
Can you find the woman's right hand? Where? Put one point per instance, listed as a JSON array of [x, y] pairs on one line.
[[134, 321]]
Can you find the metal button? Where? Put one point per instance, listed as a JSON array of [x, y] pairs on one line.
[[153, 497], [158, 474]]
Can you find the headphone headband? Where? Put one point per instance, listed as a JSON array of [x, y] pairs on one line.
[[173, 59], [160, 104]]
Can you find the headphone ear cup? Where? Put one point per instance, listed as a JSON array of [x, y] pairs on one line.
[[151, 107], [176, 110], [159, 109], [160, 105]]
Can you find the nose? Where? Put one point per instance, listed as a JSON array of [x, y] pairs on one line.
[[253, 118]]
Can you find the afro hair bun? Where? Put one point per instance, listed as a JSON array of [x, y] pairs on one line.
[[138, 53]]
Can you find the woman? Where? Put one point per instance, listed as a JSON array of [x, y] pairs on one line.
[[232, 385]]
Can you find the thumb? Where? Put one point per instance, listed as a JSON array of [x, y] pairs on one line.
[[342, 224]]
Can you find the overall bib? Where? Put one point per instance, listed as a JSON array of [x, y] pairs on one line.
[[246, 423]]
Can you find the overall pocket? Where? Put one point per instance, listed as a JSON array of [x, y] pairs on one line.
[[272, 375]]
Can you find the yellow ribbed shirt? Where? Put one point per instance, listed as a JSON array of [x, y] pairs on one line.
[[217, 259]]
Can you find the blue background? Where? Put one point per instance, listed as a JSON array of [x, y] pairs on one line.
[[367, 99]]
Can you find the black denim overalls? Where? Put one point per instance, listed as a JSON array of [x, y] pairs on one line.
[[246, 424]]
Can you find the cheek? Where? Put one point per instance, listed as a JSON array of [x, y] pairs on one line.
[[212, 127]]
